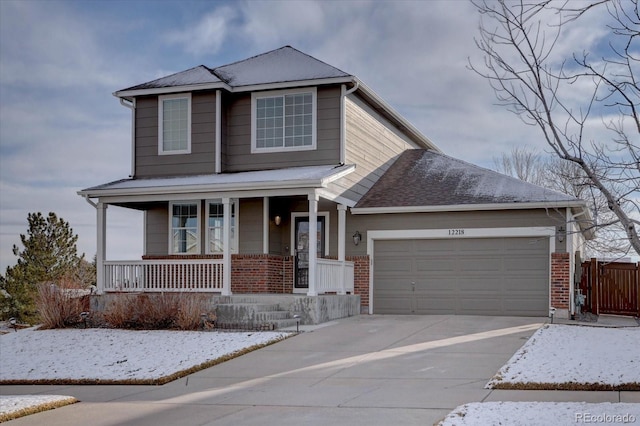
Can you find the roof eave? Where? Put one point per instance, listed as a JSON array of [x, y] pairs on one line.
[[468, 207], [405, 125], [128, 94]]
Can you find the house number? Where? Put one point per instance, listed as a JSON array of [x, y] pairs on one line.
[[456, 231]]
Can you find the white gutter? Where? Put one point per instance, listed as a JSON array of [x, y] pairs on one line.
[[223, 187], [343, 118], [131, 104], [88, 200], [237, 89], [467, 207]]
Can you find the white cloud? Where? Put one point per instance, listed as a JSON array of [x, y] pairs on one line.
[[206, 36]]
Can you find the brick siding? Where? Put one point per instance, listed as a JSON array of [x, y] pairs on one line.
[[560, 281]]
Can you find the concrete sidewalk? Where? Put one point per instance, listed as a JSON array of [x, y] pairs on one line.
[[369, 370]]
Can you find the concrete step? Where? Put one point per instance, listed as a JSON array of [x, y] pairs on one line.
[[272, 315]]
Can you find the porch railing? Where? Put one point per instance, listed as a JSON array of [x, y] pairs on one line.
[[334, 276], [200, 275]]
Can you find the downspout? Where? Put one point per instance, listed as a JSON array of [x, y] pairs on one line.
[[88, 200], [132, 106], [572, 259], [343, 121]]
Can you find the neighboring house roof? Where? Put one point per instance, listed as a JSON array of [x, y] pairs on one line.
[[425, 180], [292, 177]]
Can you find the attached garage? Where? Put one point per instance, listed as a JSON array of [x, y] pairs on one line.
[[448, 237], [466, 276]]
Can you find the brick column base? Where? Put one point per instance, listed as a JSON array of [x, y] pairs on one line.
[[560, 284]]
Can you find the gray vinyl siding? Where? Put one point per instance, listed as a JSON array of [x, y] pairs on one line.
[[201, 160], [238, 141], [157, 230], [448, 220], [250, 226], [372, 143]]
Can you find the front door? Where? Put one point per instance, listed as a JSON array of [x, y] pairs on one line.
[[302, 249]]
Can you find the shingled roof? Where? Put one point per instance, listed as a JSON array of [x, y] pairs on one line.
[[285, 64], [425, 178]]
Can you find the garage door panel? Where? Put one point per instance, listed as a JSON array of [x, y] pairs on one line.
[[393, 266], [435, 266], [483, 276]]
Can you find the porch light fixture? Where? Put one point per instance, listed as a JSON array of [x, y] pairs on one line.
[[357, 238], [277, 220], [561, 233]]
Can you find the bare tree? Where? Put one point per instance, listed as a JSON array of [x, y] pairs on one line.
[[549, 171], [585, 103]]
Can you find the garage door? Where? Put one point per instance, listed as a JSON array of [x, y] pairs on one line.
[[471, 276]]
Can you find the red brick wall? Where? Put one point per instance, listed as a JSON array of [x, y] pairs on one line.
[[261, 273], [361, 279], [560, 281]]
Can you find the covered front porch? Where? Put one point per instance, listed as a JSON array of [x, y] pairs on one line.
[[250, 233]]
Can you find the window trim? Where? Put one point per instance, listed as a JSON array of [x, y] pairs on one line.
[[282, 93], [233, 205], [161, 99], [198, 226]]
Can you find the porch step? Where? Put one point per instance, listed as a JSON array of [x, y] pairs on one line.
[[264, 316]]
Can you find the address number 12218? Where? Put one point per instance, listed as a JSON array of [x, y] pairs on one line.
[[456, 231]]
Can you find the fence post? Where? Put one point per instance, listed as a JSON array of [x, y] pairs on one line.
[[595, 287]]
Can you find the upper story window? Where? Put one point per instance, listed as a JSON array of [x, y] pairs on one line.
[[283, 120], [174, 124]]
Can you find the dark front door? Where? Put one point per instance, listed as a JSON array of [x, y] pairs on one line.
[[302, 249]]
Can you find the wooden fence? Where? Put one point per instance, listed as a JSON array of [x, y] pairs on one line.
[[611, 287]]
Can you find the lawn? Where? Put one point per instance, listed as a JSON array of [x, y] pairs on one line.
[[555, 357]]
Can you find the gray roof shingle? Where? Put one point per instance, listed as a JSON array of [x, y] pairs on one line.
[[420, 178], [285, 64]]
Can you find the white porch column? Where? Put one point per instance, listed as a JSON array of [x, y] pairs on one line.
[[313, 243], [265, 225], [342, 210], [226, 252], [101, 253]]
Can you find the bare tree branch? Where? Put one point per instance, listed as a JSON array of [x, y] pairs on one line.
[[574, 101]]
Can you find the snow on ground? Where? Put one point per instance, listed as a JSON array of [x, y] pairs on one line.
[[542, 414], [13, 406], [569, 354], [98, 354]]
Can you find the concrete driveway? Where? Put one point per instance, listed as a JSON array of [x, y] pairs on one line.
[[369, 370]]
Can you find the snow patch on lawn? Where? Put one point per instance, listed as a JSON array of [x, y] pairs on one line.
[[14, 406], [104, 355], [542, 413], [568, 354]]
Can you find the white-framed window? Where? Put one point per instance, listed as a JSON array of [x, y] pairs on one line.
[[283, 120], [215, 227], [174, 124], [184, 227]]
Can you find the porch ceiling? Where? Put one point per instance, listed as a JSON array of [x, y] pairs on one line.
[[298, 179]]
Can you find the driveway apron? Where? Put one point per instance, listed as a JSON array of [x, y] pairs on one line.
[[369, 370]]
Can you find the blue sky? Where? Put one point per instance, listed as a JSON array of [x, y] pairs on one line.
[[61, 130]]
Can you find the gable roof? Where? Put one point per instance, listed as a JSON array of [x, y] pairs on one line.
[[425, 180], [278, 66], [281, 68], [283, 65]]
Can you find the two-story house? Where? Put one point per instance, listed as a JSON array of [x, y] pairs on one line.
[[281, 174]]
